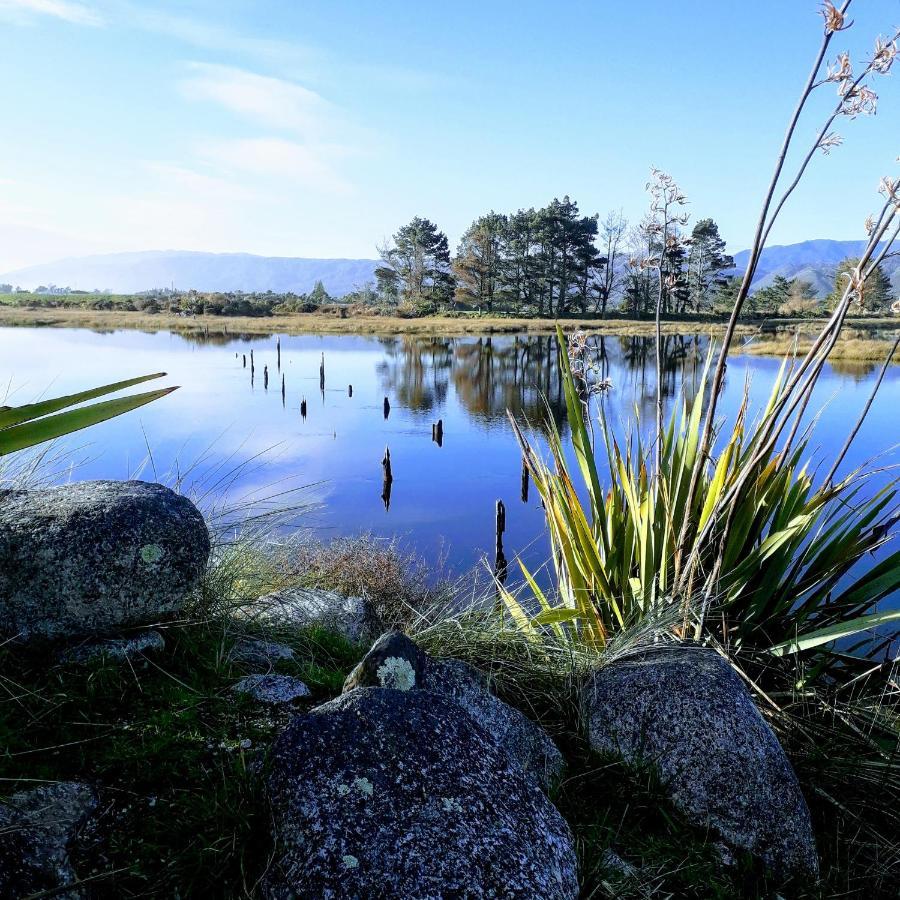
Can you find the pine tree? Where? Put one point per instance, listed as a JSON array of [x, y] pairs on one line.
[[417, 266], [478, 264], [707, 263], [876, 294]]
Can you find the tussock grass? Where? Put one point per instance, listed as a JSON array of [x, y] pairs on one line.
[[848, 348]]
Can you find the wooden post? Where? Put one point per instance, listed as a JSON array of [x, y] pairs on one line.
[[386, 407], [439, 433], [501, 567], [349, 390], [245, 360], [266, 377], [278, 351], [388, 479], [303, 408], [282, 388], [525, 481], [322, 374]]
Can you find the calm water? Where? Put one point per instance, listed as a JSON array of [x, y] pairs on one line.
[[443, 497]]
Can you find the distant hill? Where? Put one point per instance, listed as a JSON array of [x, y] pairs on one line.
[[812, 261], [130, 273]]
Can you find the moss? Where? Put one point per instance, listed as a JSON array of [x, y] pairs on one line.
[[169, 747]]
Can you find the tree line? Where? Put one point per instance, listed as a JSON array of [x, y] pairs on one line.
[[552, 261], [555, 261]]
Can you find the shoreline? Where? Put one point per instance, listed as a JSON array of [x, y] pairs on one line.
[[314, 323]]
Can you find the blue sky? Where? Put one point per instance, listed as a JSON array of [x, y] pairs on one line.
[[317, 128]]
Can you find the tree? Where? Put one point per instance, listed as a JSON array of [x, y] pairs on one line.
[[477, 265], [801, 300], [876, 293], [612, 237], [707, 263], [417, 266], [319, 295], [768, 300], [726, 292]]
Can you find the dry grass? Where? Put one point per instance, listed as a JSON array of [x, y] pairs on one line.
[[404, 590], [852, 348], [313, 323]]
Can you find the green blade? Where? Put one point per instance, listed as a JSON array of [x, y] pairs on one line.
[[46, 429], [13, 415], [834, 632]]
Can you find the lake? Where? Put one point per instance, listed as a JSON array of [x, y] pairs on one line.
[[227, 438]]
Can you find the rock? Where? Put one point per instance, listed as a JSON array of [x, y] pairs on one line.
[[393, 662], [686, 711], [389, 793], [260, 654], [96, 556], [274, 689], [615, 865], [526, 743], [116, 649], [352, 617], [36, 829]]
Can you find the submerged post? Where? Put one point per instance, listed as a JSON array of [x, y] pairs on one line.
[[386, 407], [278, 351], [439, 433], [388, 479], [266, 377], [322, 373], [500, 564], [303, 408], [245, 360], [349, 390], [524, 480], [282, 388]]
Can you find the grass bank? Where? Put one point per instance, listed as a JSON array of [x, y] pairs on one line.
[[315, 323], [864, 341]]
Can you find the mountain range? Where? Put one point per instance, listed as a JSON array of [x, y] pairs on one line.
[[131, 273], [813, 261], [128, 273]]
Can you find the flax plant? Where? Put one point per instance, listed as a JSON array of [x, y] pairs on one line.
[[723, 519]]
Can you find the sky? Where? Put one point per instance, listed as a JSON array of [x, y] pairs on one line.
[[316, 129]]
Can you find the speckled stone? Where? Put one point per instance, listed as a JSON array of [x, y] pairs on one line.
[[385, 793], [272, 689], [396, 661], [93, 557], [261, 654], [352, 617], [393, 661], [36, 829], [686, 711], [525, 742], [115, 649]]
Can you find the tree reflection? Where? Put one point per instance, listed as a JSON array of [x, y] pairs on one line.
[[493, 374]]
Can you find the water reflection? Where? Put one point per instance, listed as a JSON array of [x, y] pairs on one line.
[[453, 452], [490, 375]]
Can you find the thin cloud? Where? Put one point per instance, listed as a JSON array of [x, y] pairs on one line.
[[284, 160], [68, 11], [274, 102]]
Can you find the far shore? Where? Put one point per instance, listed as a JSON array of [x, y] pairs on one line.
[[864, 339], [326, 323]]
